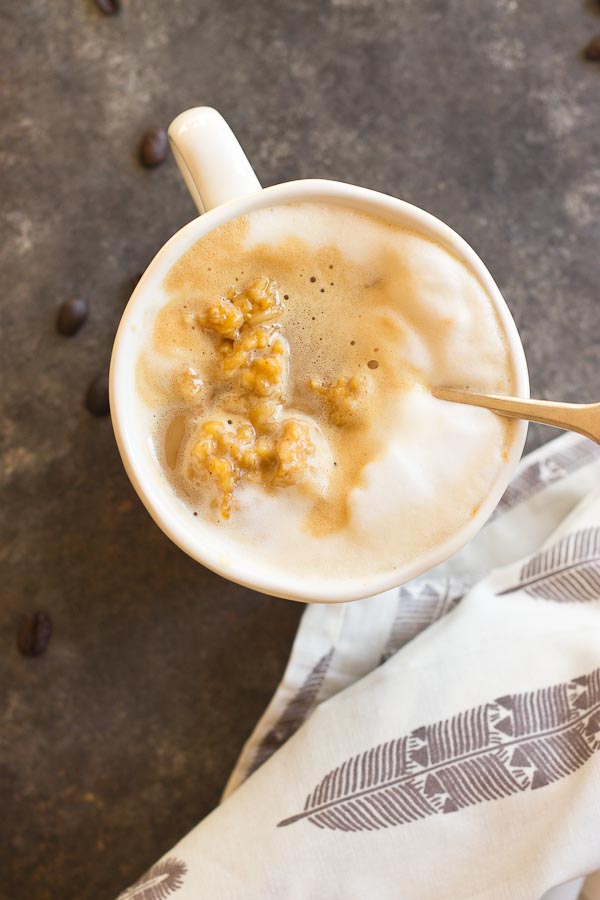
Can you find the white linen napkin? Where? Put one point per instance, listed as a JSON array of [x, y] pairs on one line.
[[457, 760]]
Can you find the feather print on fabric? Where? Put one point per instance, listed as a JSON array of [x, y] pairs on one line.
[[297, 710], [420, 604], [569, 571], [516, 743], [159, 882], [536, 476]]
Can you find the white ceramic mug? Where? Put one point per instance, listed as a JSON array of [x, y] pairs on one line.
[[224, 186]]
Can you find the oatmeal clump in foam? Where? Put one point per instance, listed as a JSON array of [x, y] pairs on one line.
[[346, 399], [266, 444]]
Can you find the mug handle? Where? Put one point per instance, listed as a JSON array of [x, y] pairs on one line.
[[210, 158]]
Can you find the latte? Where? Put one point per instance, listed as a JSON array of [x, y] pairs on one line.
[[285, 387]]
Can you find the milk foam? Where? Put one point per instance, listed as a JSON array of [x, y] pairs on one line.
[[379, 293]]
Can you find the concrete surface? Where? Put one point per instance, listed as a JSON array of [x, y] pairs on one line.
[[121, 737]]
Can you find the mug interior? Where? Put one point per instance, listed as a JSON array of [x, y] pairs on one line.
[[198, 538]]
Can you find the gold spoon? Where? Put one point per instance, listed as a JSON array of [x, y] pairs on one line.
[[581, 417]]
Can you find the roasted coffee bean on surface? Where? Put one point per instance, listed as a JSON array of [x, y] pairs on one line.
[[96, 399], [71, 315], [34, 633], [592, 50], [153, 147], [109, 7]]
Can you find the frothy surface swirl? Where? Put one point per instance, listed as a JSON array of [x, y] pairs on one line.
[[367, 316]]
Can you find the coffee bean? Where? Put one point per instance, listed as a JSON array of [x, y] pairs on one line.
[[96, 399], [592, 51], [153, 147], [109, 7], [34, 633], [71, 315]]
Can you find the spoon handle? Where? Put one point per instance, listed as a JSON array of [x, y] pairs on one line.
[[581, 417]]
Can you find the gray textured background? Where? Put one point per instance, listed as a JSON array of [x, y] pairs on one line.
[[121, 737]]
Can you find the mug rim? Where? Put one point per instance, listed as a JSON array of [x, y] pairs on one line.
[[377, 204]]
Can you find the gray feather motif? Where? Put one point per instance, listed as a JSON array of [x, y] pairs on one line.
[[419, 604], [163, 879], [539, 474], [569, 571], [295, 713], [515, 743]]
